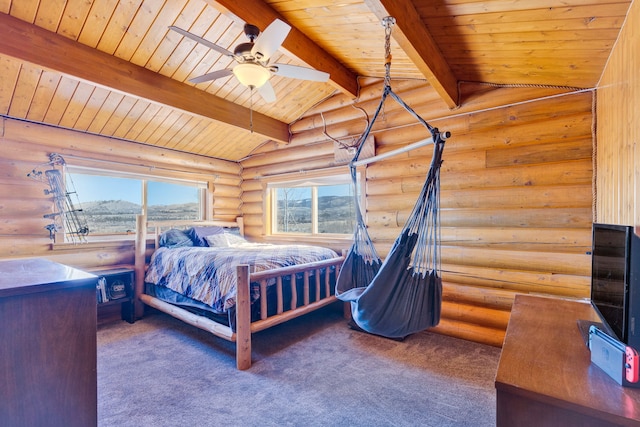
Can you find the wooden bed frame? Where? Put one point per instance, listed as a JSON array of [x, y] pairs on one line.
[[244, 326]]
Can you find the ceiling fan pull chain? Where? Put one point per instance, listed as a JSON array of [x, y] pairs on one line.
[[251, 109], [387, 22]]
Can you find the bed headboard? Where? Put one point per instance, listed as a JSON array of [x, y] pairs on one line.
[[142, 231]]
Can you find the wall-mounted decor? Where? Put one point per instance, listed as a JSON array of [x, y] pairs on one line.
[[67, 216]]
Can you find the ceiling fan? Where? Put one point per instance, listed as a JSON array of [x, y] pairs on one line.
[[253, 69]]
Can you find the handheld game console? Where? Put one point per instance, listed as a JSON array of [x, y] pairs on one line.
[[618, 360]]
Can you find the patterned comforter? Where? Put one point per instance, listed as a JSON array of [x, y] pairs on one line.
[[208, 274]]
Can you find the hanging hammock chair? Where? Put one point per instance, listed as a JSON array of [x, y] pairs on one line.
[[403, 294]]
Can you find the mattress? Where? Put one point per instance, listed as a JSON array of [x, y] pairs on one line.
[[205, 277]]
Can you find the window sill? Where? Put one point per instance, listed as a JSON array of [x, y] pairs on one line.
[[334, 241], [292, 236], [95, 243]]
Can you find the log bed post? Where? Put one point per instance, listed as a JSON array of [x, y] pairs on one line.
[[243, 319], [140, 257]]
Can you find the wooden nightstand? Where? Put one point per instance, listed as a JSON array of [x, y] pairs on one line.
[[115, 287]]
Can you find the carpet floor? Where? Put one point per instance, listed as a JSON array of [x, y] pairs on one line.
[[312, 371]]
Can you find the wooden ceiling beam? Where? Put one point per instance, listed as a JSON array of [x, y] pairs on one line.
[[416, 41], [260, 14], [38, 46]]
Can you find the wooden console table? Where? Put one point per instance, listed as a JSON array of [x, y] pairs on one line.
[[47, 345], [545, 376]]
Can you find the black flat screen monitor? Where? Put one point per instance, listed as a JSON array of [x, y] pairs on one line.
[[609, 276]]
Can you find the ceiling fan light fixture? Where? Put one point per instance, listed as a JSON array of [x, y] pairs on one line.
[[251, 75], [253, 69]]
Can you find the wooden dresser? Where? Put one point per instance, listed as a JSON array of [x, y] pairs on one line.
[[47, 345], [545, 376]]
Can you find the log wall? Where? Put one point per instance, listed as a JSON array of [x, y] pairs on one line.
[[618, 129], [516, 190], [23, 202]]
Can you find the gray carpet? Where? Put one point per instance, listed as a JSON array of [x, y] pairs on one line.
[[312, 371]]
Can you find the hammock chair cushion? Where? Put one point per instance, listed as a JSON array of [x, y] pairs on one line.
[[398, 301]]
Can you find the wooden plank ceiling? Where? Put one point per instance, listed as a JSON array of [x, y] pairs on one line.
[[114, 68]]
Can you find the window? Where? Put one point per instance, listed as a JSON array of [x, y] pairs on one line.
[[110, 201], [322, 205]]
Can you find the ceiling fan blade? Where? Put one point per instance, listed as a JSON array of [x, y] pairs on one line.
[[200, 40], [270, 40], [267, 93], [302, 73], [211, 76]]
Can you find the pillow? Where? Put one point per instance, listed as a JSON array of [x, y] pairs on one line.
[[233, 239], [174, 238], [197, 234], [233, 230], [217, 240]]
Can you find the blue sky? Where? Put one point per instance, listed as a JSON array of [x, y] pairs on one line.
[[91, 188]]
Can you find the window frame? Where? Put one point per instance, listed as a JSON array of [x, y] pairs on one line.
[[305, 180], [145, 179]]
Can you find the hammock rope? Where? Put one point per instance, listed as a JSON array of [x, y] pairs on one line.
[[403, 294]]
